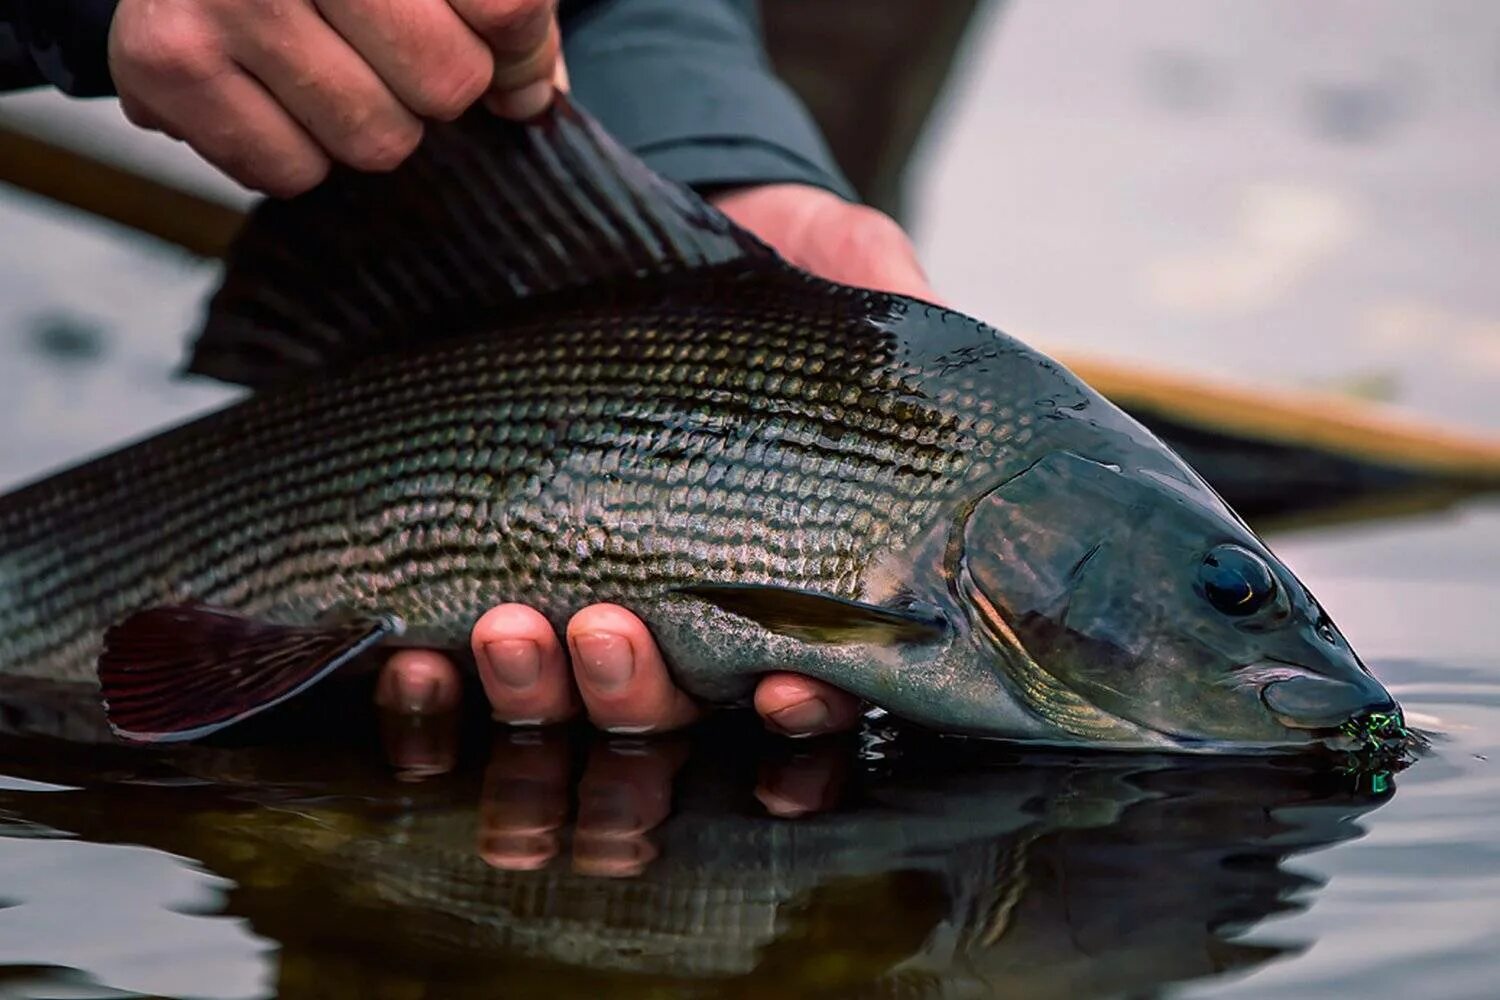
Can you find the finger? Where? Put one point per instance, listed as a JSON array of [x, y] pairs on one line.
[[822, 233], [419, 682], [522, 667], [793, 705], [523, 801], [621, 674], [235, 124], [422, 49], [857, 245], [625, 792], [420, 746], [328, 88], [808, 783], [141, 116], [524, 38]]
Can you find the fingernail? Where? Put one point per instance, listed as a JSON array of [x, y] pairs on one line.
[[802, 719], [780, 805], [518, 852], [515, 663], [795, 790], [612, 857], [606, 660], [527, 102]]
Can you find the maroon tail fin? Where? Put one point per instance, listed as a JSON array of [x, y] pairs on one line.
[[180, 673]]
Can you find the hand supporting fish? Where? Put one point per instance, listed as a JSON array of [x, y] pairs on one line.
[[618, 675]]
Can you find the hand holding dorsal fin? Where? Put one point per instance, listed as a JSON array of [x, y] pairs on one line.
[[484, 214], [181, 673]]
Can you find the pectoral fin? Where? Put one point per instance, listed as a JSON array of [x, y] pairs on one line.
[[821, 619], [180, 673]]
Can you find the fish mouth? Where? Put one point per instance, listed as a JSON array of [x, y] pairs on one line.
[[1358, 715]]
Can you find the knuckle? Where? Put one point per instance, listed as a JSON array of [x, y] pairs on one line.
[[170, 48], [869, 225], [382, 149], [307, 174], [136, 113], [448, 94], [284, 178]]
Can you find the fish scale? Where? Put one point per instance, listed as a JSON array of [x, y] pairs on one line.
[[442, 481]]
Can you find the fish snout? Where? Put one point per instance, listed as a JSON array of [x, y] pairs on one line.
[[1362, 708]]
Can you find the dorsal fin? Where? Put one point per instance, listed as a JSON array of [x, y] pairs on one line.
[[484, 214]]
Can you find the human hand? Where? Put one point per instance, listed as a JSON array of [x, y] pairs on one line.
[[617, 674], [272, 91]]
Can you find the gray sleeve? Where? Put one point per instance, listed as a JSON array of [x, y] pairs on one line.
[[687, 86], [61, 42]]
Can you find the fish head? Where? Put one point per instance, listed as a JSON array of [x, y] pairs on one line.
[[1133, 606]]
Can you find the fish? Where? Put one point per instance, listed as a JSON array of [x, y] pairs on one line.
[[524, 367]]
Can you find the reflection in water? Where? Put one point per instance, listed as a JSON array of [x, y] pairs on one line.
[[561, 864]]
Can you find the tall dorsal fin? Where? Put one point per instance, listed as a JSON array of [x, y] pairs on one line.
[[484, 214]]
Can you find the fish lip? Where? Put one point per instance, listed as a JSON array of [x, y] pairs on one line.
[[1262, 675], [1376, 729]]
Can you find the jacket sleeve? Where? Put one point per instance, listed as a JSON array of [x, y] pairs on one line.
[[686, 85], [64, 43]]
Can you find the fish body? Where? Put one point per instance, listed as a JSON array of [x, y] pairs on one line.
[[618, 451], [771, 469]]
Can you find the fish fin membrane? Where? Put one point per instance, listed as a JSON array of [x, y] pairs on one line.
[[484, 215], [170, 674], [820, 618]]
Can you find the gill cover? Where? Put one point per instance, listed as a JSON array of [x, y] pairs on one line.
[[1026, 544]]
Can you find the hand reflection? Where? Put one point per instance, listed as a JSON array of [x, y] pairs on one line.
[[420, 746], [623, 794]]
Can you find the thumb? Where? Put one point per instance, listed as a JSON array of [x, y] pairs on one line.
[[865, 247]]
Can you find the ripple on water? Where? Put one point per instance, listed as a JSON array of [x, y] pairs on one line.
[[127, 917]]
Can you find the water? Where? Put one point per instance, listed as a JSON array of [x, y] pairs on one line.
[[1282, 191]]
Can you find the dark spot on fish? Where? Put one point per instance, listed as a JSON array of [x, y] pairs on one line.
[[65, 340]]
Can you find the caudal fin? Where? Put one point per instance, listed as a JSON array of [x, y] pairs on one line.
[[180, 673]]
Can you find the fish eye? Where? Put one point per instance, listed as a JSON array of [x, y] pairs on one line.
[[1236, 581]]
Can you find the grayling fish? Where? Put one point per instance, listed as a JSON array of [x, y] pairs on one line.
[[524, 368]]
